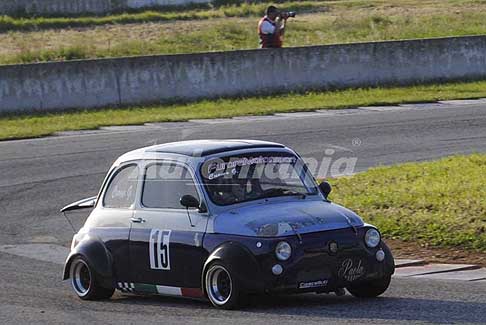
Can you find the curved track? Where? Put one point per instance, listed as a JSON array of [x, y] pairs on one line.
[[39, 176]]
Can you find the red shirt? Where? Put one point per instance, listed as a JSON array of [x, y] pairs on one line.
[[269, 40]]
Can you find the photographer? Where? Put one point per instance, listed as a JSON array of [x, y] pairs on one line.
[[271, 27]]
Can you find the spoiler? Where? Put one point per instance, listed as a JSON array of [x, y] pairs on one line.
[[81, 204]]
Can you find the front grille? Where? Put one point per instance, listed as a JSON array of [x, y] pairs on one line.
[[318, 243]]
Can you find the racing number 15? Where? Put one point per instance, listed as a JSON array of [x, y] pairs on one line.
[[159, 249]]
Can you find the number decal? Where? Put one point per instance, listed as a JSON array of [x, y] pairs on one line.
[[159, 249]]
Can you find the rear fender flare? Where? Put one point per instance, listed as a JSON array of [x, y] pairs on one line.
[[98, 258]]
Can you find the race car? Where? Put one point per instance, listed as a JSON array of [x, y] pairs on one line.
[[222, 220]]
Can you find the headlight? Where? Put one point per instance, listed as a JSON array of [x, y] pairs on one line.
[[283, 251], [372, 238]]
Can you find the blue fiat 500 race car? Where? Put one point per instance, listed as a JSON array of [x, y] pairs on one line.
[[222, 220]]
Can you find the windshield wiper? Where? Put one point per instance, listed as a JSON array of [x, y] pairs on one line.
[[281, 192]]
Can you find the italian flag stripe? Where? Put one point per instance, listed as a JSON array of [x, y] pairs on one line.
[[192, 292], [169, 291], [147, 288]]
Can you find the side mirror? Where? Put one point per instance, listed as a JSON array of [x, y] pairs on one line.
[[325, 188], [189, 201]]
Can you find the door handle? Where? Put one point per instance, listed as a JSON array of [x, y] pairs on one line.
[[138, 220]]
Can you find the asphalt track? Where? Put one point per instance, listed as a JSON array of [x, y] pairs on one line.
[[40, 176]]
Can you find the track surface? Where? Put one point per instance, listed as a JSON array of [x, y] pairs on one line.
[[40, 176]]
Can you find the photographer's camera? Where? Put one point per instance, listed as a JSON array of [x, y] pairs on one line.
[[288, 14]]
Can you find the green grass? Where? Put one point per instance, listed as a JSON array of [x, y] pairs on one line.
[[8, 23], [34, 126], [341, 22], [441, 203], [225, 35]]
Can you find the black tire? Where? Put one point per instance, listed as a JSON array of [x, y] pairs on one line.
[[221, 287], [84, 282], [370, 289]]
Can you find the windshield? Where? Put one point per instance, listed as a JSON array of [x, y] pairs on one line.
[[235, 179]]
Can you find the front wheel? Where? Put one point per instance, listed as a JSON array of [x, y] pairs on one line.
[[221, 287], [84, 282], [370, 289]]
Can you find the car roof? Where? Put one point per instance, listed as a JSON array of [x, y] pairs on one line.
[[202, 148], [196, 148]]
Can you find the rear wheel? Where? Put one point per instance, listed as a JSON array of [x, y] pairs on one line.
[[221, 288], [84, 282], [370, 289]]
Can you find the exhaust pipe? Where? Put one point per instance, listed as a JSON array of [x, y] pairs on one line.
[[340, 292]]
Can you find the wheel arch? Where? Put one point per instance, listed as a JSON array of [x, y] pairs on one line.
[[98, 258], [389, 260], [242, 264]]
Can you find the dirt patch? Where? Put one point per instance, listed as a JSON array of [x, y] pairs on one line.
[[408, 250]]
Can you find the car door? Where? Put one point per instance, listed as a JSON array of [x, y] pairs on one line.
[[166, 238], [110, 222]]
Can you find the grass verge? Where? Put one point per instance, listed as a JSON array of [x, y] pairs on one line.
[[15, 127], [8, 23], [440, 203]]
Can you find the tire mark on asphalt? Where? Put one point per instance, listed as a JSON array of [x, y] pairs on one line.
[[67, 154], [46, 181], [14, 193]]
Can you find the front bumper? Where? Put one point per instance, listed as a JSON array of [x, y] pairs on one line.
[[313, 268]]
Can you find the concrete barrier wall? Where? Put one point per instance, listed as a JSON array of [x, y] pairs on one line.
[[76, 7], [138, 80]]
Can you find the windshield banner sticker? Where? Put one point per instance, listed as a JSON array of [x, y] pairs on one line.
[[239, 179], [215, 168]]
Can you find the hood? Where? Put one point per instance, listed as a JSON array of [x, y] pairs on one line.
[[273, 219]]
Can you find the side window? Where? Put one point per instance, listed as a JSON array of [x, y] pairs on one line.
[[165, 184], [121, 191]]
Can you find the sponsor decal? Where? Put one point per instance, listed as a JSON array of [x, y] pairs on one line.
[[217, 175], [232, 166], [351, 271], [313, 284], [240, 162], [159, 249]]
